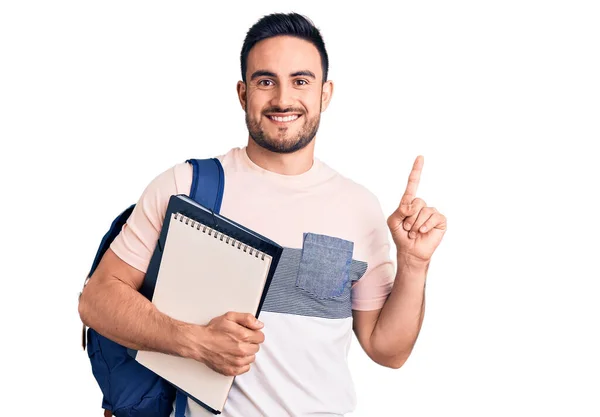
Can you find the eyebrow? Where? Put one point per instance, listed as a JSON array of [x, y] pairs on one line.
[[264, 73], [304, 73]]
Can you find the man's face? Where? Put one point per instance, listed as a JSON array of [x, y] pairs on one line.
[[284, 93]]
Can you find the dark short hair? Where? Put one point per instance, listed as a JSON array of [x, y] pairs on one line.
[[279, 24]]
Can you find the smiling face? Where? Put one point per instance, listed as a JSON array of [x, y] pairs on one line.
[[284, 94]]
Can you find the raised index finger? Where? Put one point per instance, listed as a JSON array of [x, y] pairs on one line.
[[413, 181]]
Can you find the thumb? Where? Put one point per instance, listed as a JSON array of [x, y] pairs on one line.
[[397, 217], [247, 320]]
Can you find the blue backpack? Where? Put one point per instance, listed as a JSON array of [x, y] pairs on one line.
[[129, 389]]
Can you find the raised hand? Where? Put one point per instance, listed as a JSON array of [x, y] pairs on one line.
[[417, 230]]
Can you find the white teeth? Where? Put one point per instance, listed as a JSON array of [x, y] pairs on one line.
[[284, 119]]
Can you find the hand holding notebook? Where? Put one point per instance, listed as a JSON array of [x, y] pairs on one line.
[[209, 271], [230, 343]]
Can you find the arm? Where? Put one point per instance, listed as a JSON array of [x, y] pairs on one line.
[[388, 335], [111, 305]]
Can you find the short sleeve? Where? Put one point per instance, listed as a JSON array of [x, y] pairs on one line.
[[138, 237], [372, 290]]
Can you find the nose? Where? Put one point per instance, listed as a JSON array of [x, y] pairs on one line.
[[283, 97]]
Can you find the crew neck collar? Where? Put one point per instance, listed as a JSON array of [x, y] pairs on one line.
[[306, 178]]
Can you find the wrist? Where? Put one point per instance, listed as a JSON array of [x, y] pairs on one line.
[[412, 262], [188, 341], [411, 272]]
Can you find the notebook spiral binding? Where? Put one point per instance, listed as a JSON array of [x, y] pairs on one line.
[[219, 235]]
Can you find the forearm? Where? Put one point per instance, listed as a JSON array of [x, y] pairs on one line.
[[120, 313], [402, 315]]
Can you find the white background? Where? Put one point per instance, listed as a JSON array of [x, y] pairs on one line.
[[502, 99]]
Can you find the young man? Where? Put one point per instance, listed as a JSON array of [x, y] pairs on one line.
[[292, 362]]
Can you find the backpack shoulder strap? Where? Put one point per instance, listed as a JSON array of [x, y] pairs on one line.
[[180, 404], [208, 182]]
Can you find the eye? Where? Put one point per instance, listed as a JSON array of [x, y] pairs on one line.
[[301, 82], [265, 83]]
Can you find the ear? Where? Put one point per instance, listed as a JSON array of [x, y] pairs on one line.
[[241, 91], [326, 95]]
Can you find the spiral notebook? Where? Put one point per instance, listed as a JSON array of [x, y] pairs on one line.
[[204, 265]]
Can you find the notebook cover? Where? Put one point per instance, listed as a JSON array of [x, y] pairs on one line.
[[183, 204]]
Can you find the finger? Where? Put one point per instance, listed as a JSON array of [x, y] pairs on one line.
[[250, 336], [251, 348], [244, 361], [424, 215], [242, 350], [412, 212], [413, 181], [436, 221], [245, 319], [403, 212], [235, 370], [242, 370]]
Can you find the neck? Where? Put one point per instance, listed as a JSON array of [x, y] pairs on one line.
[[295, 163]]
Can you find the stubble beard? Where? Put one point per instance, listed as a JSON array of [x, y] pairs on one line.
[[283, 143]]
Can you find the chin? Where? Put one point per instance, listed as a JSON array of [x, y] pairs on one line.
[[281, 146]]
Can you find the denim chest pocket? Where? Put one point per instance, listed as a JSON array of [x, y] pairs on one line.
[[325, 262]]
